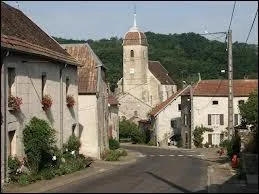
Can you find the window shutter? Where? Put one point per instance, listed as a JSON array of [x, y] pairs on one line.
[[209, 119], [236, 119], [221, 119]]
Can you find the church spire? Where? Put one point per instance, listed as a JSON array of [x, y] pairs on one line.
[[135, 16]]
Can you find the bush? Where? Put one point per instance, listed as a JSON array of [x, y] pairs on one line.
[[206, 145], [114, 144], [151, 143], [123, 152], [39, 140], [48, 173], [24, 179], [125, 128], [197, 135], [73, 144], [224, 143], [137, 136], [111, 155], [13, 165]]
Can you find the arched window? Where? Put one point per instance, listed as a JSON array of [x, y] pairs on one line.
[[131, 53]]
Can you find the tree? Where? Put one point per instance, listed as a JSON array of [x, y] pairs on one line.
[[249, 109]]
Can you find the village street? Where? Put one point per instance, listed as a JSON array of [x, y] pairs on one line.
[[156, 170]]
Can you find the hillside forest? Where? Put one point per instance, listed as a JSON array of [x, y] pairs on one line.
[[183, 55]]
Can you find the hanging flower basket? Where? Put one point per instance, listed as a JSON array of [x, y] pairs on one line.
[[70, 101], [46, 102], [14, 103]]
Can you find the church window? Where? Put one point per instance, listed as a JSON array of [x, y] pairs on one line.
[[131, 53]]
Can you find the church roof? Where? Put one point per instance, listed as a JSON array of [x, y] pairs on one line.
[[160, 73], [135, 38], [87, 73], [19, 33]]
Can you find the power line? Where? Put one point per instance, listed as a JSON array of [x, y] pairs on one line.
[[232, 15], [252, 26]]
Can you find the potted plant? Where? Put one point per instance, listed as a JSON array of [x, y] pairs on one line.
[[70, 101], [14, 103], [46, 102]]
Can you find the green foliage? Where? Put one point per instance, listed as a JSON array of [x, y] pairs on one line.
[[249, 110], [24, 179], [123, 152], [206, 145], [48, 173], [113, 155], [114, 144], [39, 140], [151, 143], [13, 165], [73, 144], [198, 135], [233, 146], [183, 55]]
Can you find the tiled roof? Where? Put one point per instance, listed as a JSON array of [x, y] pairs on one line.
[[135, 38], [112, 100], [19, 33], [160, 73], [163, 104], [87, 73], [220, 87]]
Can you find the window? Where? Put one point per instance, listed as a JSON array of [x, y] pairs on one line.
[[215, 102], [215, 119], [43, 83], [179, 107], [67, 84], [173, 124], [185, 119], [11, 78], [11, 150], [236, 119], [131, 53]]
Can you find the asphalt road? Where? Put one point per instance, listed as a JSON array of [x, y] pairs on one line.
[[156, 171]]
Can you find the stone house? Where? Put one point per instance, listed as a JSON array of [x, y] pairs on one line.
[[113, 107], [33, 65], [92, 100], [147, 80], [165, 118], [210, 107]]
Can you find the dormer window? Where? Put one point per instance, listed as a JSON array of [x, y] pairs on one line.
[[131, 53]]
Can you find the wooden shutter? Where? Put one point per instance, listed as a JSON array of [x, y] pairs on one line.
[[221, 119], [209, 119], [236, 119]]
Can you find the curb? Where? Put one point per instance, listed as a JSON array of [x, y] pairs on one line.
[[93, 170]]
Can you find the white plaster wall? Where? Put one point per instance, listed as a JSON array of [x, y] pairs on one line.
[[114, 121], [87, 114], [167, 91], [203, 106], [129, 104], [163, 120], [28, 86]]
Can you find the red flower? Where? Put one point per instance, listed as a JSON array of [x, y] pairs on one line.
[[14, 102], [70, 101], [46, 102]]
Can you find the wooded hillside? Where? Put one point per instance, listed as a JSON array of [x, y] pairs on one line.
[[183, 55]]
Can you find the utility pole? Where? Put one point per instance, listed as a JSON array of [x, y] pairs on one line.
[[191, 106], [230, 86]]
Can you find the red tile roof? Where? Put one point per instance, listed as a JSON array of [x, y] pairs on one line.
[[87, 73], [220, 87], [135, 38], [19, 33], [163, 104], [112, 100], [160, 72]]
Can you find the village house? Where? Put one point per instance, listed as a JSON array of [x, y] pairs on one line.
[[146, 80], [210, 108], [113, 120], [92, 100], [165, 119], [33, 65]]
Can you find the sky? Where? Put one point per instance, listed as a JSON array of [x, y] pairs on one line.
[[95, 20]]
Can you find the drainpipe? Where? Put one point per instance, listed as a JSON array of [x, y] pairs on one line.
[[98, 109], [61, 105]]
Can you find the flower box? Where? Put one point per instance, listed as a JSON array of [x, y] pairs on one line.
[[46, 102], [14, 103], [70, 101]]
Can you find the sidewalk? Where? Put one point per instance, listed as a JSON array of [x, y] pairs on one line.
[[96, 167]]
